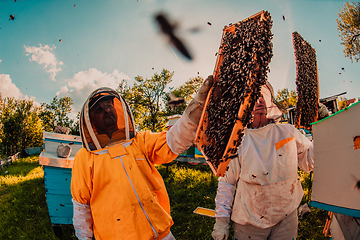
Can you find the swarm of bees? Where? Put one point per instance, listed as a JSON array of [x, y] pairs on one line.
[[306, 82], [246, 54]]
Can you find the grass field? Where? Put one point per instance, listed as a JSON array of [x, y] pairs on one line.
[[24, 214]]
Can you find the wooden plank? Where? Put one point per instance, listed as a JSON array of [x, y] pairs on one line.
[[205, 212], [51, 159]]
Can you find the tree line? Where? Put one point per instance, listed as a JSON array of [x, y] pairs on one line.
[[22, 122]]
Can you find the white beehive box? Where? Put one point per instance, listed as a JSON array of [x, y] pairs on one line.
[[337, 162], [51, 143]]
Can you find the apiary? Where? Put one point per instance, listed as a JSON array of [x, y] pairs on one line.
[[57, 175], [240, 70], [307, 82], [336, 182]]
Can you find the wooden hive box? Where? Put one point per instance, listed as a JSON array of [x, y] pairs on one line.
[[337, 162], [57, 176], [202, 139]]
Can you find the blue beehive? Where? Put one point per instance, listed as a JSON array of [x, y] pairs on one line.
[[57, 175], [198, 154]]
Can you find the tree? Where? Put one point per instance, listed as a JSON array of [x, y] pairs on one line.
[[285, 98], [75, 127], [349, 29], [343, 103], [145, 100], [56, 113], [148, 99], [20, 124]]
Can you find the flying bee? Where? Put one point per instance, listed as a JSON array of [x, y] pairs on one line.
[[175, 101], [168, 29], [357, 184]]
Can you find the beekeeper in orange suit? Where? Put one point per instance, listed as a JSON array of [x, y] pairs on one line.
[[265, 174], [117, 192]]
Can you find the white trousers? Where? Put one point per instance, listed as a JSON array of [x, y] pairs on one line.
[[284, 230], [169, 237]]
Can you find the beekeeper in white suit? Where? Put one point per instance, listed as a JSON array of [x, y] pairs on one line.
[[269, 190]]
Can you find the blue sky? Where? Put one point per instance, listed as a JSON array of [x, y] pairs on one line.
[[103, 42]]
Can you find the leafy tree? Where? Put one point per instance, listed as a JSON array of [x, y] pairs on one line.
[[148, 98], [75, 128], [20, 124], [56, 113], [343, 103], [286, 98], [349, 29], [145, 100]]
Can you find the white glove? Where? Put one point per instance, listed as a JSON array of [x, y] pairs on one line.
[[182, 135], [221, 228], [82, 221], [196, 106]]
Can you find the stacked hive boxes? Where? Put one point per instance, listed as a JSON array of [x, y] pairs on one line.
[[57, 175]]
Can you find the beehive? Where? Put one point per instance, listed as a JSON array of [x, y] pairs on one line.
[[240, 70], [336, 162], [57, 176]]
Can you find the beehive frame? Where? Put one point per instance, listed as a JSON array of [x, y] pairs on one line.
[[305, 54], [201, 138]]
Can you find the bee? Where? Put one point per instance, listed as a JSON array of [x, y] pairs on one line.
[[168, 30], [357, 184], [175, 101]]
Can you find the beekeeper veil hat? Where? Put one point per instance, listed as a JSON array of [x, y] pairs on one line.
[[92, 140], [273, 112]]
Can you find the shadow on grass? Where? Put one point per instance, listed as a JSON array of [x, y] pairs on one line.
[[23, 208]]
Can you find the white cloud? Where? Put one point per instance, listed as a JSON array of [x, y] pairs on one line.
[[9, 89], [80, 86], [44, 55], [63, 90]]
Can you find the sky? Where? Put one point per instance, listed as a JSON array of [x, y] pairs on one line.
[[70, 48]]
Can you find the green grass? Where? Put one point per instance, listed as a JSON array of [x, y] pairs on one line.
[[23, 209], [189, 187], [24, 214]]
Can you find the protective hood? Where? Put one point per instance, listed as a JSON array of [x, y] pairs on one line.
[[91, 139], [273, 112]]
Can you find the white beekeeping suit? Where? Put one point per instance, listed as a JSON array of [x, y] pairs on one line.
[[265, 174]]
